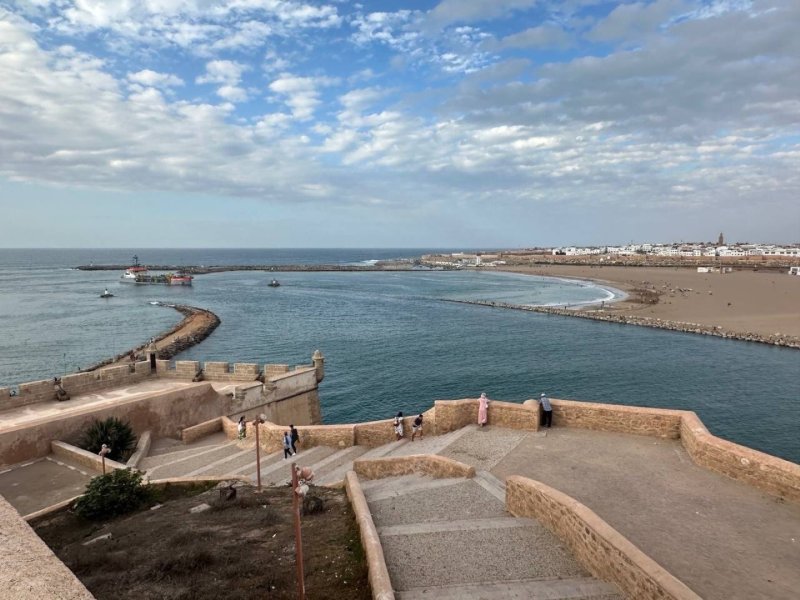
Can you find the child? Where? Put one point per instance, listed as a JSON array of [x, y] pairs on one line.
[[417, 427], [242, 427]]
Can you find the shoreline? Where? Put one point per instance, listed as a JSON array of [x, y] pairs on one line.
[[196, 325], [743, 305]]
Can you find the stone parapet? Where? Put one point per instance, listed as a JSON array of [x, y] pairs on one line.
[[84, 458], [455, 414], [431, 465], [201, 430], [602, 550], [28, 568], [655, 422], [378, 573], [758, 469]]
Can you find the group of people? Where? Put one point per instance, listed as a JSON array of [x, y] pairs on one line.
[[290, 437], [416, 427], [544, 402]]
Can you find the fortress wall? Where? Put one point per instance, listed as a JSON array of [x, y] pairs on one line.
[[75, 384], [601, 549], [455, 414], [28, 568], [302, 409], [164, 413], [201, 430], [758, 469], [655, 422]]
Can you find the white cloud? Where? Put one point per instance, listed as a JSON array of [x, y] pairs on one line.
[[301, 93], [153, 79]]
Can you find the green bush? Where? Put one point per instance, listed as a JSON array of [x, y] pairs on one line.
[[117, 434], [112, 494]]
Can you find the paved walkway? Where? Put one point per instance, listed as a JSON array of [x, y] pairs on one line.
[[721, 538]]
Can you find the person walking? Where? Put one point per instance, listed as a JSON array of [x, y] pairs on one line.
[[287, 445], [417, 428], [483, 410], [295, 437], [398, 426], [242, 427], [547, 410]]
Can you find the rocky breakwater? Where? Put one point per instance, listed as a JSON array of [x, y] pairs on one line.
[[777, 339], [197, 324]]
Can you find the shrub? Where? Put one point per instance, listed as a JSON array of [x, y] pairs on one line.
[[117, 434], [112, 494]]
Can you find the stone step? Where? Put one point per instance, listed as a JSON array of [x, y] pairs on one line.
[[491, 484], [162, 446], [226, 464], [393, 487], [179, 451], [470, 525], [339, 473], [280, 469], [186, 464], [573, 588], [432, 444], [332, 462]]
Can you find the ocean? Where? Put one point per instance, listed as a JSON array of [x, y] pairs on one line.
[[390, 341]]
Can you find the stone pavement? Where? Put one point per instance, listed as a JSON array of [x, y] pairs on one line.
[[720, 537], [32, 486]]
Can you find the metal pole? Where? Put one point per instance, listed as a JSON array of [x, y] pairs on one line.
[[298, 537], [258, 458], [103, 456]]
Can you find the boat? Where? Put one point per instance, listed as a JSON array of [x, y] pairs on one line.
[[106, 294], [139, 274], [274, 283]]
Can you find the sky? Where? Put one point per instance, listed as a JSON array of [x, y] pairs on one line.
[[458, 123]]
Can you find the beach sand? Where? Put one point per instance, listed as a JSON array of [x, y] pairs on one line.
[[763, 303]]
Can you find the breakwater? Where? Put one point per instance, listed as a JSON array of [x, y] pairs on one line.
[[197, 324], [311, 268], [787, 341]]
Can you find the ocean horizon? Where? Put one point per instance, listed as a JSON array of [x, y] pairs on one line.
[[390, 341]]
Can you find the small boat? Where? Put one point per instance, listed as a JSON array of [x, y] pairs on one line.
[[106, 294], [274, 283]]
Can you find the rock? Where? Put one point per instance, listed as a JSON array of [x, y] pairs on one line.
[[200, 508], [99, 538]]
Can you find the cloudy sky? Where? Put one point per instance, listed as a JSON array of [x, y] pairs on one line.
[[458, 123]]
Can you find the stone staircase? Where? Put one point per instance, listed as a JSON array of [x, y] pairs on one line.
[[452, 539]]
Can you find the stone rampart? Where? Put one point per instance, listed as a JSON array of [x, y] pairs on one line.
[[164, 413], [201, 430], [84, 458], [455, 414], [655, 422], [75, 384], [602, 550]]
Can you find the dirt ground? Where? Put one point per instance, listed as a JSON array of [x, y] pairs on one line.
[[238, 549]]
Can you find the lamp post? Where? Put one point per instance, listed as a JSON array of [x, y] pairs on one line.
[[104, 449], [256, 422], [297, 492]]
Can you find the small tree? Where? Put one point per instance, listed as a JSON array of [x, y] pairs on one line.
[[112, 494], [117, 434]]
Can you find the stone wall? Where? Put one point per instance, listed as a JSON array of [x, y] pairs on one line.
[[201, 430], [455, 414], [431, 465], [602, 550], [75, 384], [28, 568], [164, 413], [769, 473], [86, 459], [655, 422]]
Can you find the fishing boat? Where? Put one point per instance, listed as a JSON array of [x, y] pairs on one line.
[[131, 273], [106, 294], [139, 274], [274, 283]]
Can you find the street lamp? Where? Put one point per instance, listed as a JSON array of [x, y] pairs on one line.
[[261, 419], [104, 449]]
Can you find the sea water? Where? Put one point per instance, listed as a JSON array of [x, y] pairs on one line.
[[390, 340]]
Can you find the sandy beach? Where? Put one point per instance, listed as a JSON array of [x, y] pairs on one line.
[[763, 303]]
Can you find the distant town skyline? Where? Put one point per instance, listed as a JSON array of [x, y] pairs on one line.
[[416, 124]]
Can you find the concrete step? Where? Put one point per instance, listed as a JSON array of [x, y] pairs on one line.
[[393, 487], [431, 444], [168, 445], [329, 464], [186, 464], [339, 472], [573, 588], [226, 464], [469, 525], [491, 484], [280, 470]]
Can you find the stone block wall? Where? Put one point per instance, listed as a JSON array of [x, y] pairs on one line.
[[271, 371], [769, 473], [655, 422], [602, 550], [431, 465], [455, 414], [201, 430]]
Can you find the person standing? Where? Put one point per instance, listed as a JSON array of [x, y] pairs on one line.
[[242, 427], [483, 410], [417, 428], [398, 426], [287, 445], [295, 437], [547, 410]]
